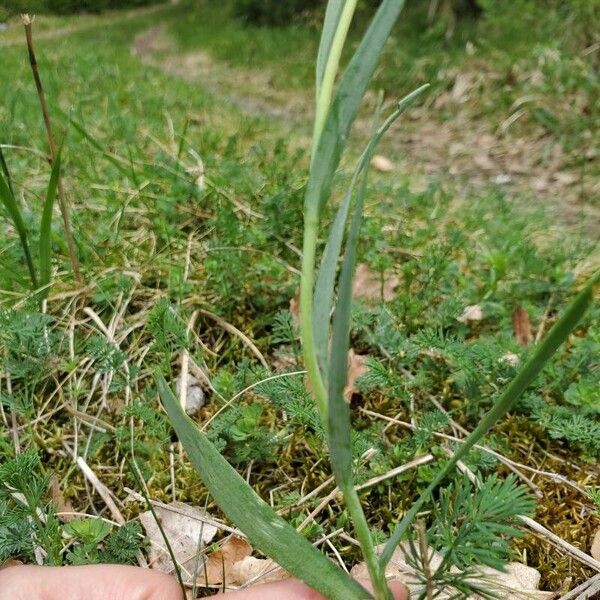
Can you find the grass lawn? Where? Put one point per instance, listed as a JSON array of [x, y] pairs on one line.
[[187, 213]]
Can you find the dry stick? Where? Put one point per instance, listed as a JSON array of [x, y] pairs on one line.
[[204, 519], [514, 466], [235, 331], [102, 490], [413, 464], [586, 590], [62, 200]]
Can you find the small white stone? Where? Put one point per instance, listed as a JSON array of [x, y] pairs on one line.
[[195, 398]]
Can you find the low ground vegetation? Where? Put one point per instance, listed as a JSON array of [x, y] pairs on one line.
[[188, 220]]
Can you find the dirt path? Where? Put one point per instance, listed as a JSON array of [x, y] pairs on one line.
[[467, 150], [82, 23]]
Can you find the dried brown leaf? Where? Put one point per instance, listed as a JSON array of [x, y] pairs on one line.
[[369, 286], [522, 326], [251, 571], [461, 84], [61, 504], [595, 549], [565, 178], [483, 161], [295, 309], [519, 581], [356, 368], [183, 525], [220, 564]]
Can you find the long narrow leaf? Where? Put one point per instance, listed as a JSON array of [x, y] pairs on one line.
[[127, 171], [339, 430], [265, 529], [556, 336], [45, 248], [339, 411], [323, 296], [332, 17], [10, 203], [346, 103], [6, 172]]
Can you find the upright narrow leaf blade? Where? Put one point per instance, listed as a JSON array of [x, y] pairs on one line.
[[323, 296], [346, 102], [339, 410], [266, 530], [332, 18], [529, 371], [46, 225], [10, 203], [339, 427], [6, 172]]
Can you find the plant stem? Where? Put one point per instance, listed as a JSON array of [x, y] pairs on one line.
[[331, 68], [361, 528], [62, 200], [311, 217], [307, 282]]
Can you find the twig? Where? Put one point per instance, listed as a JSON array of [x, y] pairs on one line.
[[62, 200], [102, 490], [235, 331], [205, 519], [582, 557], [586, 590], [417, 462], [513, 465], [413, 464]]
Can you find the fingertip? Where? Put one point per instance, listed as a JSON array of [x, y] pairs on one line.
[[399, 590]]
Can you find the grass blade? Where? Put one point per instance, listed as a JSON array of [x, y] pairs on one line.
[[529, 371], [332, 18], [127, 171], [346, 102], [12, 207], [6, 172], [325, 159], [45, 247], [266, 530], [339, 426], [323, 296]]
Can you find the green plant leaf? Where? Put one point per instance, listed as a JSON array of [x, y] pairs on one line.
[[332, 18], [323, 296], [339, 426], [527, 374], [346, 103], [4, 167], [14, 212], [46, 226], [118, 164], [265, 529]]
